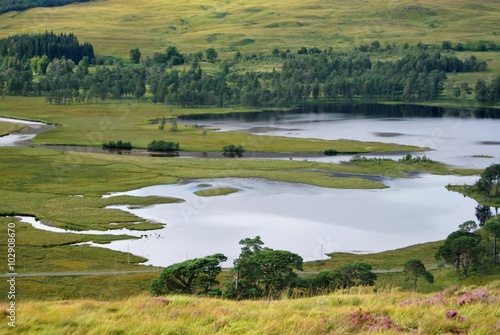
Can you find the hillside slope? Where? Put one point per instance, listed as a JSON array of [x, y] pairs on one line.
[[116, 26]]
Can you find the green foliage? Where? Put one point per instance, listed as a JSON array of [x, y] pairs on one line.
[[263, 272], [135, 55], [346, 276], [24, 47], [195, 276], [483, 214], [493, 228], [119, 145], [331, 152], [490, 181], [211, 54], [460, 249], [414, 269], [19, 5], [409, 159], [416, 74], [232, 150], [163, 146]]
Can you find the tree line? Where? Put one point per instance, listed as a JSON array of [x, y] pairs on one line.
[[24, 47], [19, 5], [413, 73]]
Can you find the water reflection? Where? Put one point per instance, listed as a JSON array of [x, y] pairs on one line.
[[455, 136], [298, 217]]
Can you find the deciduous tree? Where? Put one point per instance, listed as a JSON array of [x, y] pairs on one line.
[[415, 269]]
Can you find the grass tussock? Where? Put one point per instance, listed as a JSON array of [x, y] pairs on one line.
[[452, 311]]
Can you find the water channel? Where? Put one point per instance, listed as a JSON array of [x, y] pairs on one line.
[[313, 221]]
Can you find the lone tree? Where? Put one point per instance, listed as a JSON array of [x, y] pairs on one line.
[[483, 214], [263, 272], [193, 276], [493, 227], [414, 269], [211, 54], [135, 55]]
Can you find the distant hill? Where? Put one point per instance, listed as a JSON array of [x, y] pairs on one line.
[[251, 26], [18, 5]]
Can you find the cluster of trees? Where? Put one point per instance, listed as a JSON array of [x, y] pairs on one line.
[[258, 272], [19, 5], [488, 93], [470, 246], [480, 45], [489, 182], [118, 145], [163, 146], [232, 150], [416, 73], [24, 47]]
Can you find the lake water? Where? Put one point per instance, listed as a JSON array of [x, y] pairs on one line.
[[313, 221], [308, 220], [453, 135]]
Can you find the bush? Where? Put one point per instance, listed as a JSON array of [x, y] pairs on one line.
[[331, 152], [163, 146], [117, 145], [233, 151]]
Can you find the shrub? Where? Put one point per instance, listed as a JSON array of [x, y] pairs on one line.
[[232, 150], [163, 146], [331, 152], [119, 145]]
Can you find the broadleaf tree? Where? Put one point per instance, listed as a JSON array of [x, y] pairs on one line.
[[415, 269], [193, 276]]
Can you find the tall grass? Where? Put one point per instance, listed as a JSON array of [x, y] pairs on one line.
[[349, 312]]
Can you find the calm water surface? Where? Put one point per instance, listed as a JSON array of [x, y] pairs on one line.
[[313, 221], [304, 219]]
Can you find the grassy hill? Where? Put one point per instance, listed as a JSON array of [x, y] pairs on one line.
[[116, 26]]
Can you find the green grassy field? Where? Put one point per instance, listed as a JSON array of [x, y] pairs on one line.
[[358, 311], [116, 26]]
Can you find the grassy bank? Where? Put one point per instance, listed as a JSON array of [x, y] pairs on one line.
[[7, 128], [468, 310], [95, 124]]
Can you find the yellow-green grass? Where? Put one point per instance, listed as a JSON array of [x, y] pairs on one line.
[[93, 125], [116, 26], [8, 127], [339, 313], [216, 192], [386, 260]]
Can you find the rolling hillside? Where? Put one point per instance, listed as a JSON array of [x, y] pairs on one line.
[[116, 26]]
